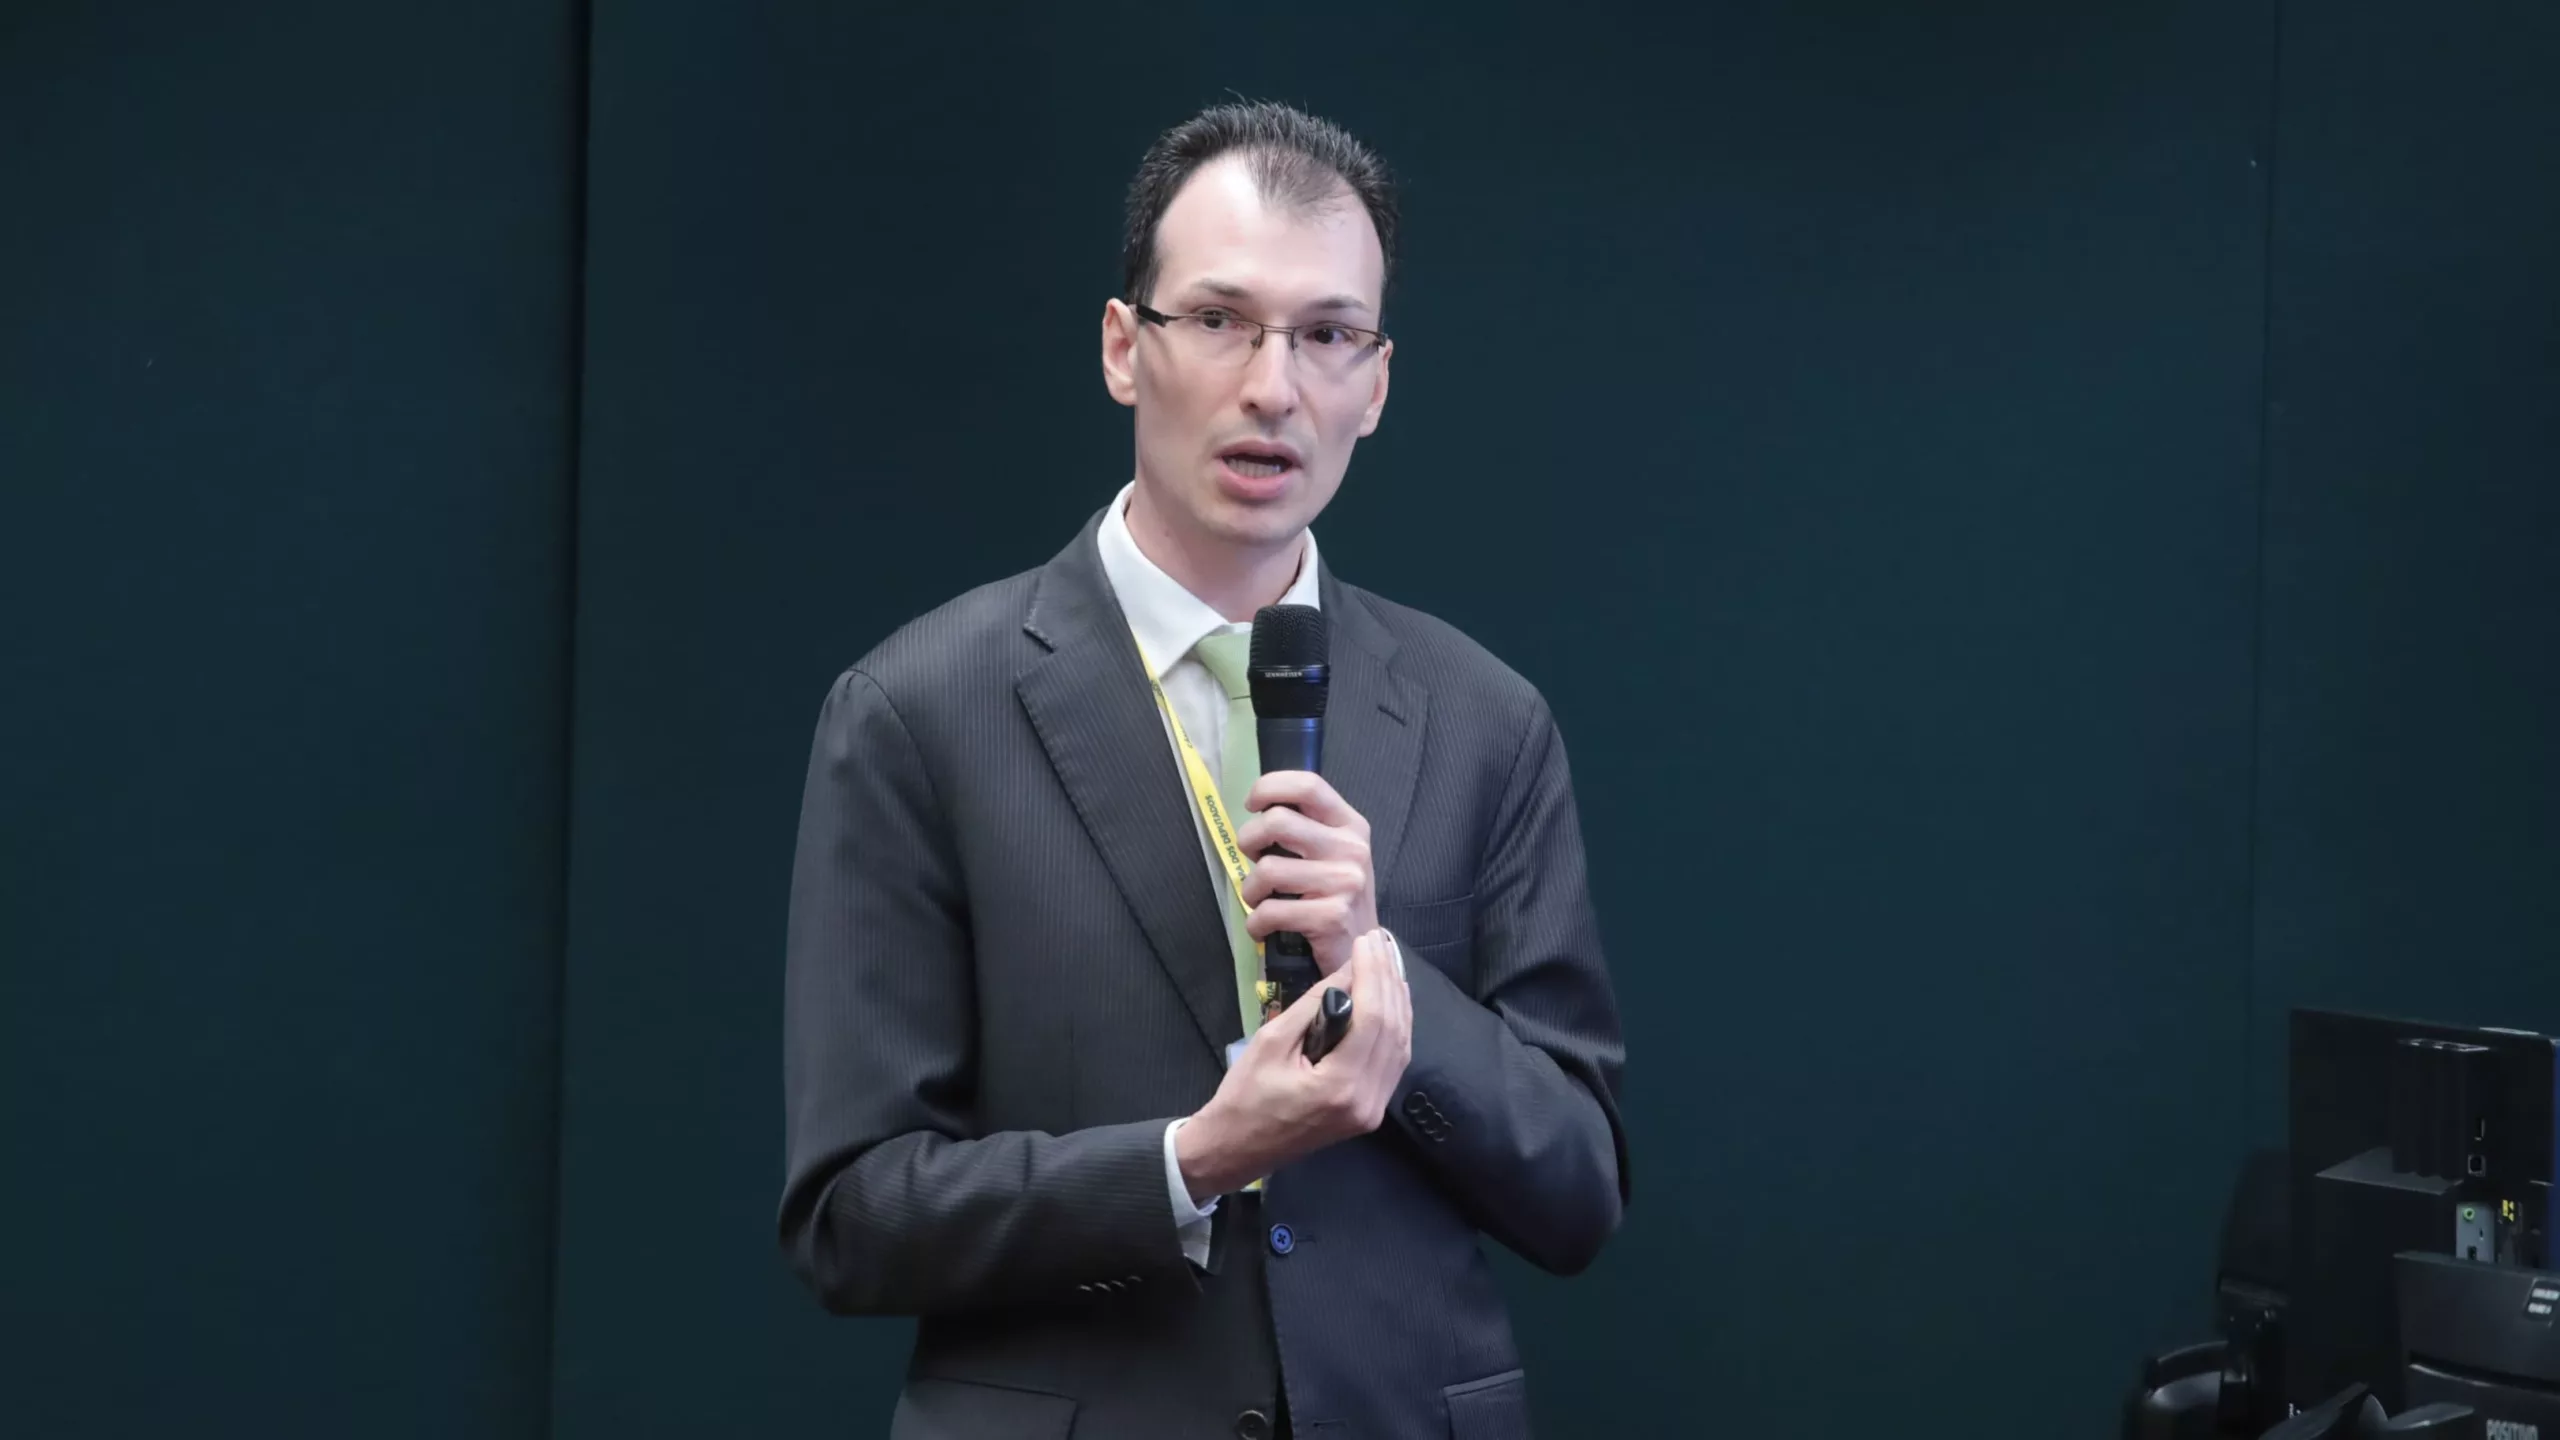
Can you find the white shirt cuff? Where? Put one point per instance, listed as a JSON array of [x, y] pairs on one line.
[[1190, 1222]]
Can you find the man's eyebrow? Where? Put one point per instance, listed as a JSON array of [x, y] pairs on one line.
[[1229, 290]]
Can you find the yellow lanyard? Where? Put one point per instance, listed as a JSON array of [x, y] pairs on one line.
[[1213, 808], [1222, 835]]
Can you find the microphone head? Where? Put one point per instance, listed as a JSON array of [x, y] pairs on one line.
[[1287, 637], [1286, 664]]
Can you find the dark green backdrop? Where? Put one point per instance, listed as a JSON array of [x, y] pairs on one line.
[[2037, 523]]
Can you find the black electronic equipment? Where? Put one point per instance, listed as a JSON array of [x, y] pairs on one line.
[[2404, 1137], [2483, 1336]]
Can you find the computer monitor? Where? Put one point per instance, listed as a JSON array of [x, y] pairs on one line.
[[2405, 1136]]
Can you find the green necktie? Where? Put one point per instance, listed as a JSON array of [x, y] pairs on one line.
[[1239, 765]]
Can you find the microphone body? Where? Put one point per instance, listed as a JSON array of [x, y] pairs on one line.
[[1291, 683], [1290, 742]]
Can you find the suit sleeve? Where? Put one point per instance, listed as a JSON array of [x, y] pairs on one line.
[[1511, 1095], [893, 1201]]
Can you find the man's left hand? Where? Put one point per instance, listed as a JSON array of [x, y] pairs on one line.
[[1327, 867]]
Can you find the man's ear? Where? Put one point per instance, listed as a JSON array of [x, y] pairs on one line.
[[1377, 395], [1120, 352]]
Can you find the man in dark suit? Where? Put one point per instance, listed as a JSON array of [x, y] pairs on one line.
[[1034, 1095]]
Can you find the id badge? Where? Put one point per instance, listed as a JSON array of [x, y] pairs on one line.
[[1234, 1052]]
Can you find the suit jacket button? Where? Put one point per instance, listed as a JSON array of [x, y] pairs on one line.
[[1416, 1104], [1283, 1240], [1253, 1425]]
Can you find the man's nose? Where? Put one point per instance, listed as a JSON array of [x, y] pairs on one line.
[[1271, 376]]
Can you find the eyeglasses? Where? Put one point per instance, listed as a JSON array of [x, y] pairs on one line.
[[1224, 337]]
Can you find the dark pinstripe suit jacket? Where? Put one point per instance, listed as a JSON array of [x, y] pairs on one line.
[[1007, 971]]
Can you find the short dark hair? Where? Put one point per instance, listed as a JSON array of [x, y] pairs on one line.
[[1297, 160]]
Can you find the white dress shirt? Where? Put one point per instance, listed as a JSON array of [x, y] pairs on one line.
[[1168, 621]]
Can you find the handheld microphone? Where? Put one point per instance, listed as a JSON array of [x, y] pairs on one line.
[[1287, 671]]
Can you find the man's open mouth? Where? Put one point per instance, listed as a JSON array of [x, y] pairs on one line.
[[1255, 466], [1259, 461]]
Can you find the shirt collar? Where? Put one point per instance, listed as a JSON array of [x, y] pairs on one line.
[[1167, 619]]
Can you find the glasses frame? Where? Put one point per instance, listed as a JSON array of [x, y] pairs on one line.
[[1378, 339]]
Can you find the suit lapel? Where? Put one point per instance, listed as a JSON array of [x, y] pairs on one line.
[[1373, 724], [1088, 700]]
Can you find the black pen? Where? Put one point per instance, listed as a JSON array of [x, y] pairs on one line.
[[1332, 1019]]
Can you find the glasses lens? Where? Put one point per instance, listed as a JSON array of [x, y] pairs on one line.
[[1213, 336], [1333, 349]]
